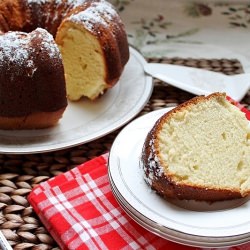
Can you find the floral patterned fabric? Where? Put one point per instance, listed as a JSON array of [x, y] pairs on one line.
[[196, 29]]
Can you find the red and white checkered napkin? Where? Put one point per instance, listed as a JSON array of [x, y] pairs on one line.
[[80, 212], [240, 106]]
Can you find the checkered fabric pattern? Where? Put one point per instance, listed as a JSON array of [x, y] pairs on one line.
[[240, 106], [80, 211]]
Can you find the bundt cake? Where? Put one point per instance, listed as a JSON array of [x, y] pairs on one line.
[[199, 150], [89, 33], [32, 83]]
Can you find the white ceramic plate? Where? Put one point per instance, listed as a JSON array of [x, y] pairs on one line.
[[175, 236], [193, 223], [86, 120]]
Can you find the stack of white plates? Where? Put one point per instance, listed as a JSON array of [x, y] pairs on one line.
[[200, 224]]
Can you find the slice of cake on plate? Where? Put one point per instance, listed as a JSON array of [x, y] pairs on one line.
[[199, 150]]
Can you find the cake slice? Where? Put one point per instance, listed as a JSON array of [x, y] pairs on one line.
[[200, 150], [94, 50]]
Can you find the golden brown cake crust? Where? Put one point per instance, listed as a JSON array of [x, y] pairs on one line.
[[165, 185], [38, 120]]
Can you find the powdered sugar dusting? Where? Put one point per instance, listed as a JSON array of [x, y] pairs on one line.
[[47, 43], [13, 48], [75, 3], [38, 1], [152, 168], [97, 13], [16, 49], [67, 2]]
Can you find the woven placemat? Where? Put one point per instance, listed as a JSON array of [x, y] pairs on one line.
[[20, 173]]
